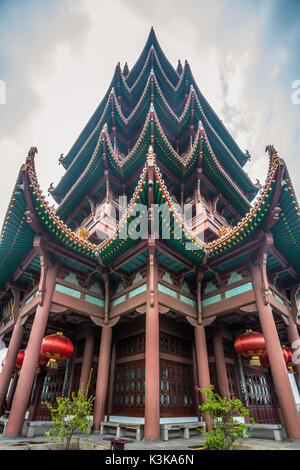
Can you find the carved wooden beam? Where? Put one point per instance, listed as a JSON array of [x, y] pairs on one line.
[[47, 259]]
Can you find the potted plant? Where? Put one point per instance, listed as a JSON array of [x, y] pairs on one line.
[[227, 428]]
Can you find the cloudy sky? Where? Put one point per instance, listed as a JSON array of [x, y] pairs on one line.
[[57, 58]]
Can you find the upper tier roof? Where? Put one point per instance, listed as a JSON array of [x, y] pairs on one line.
[[153, 79]]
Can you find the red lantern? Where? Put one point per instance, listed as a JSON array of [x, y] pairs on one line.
[[251, 344], [56, 348], [289, 362], [264, 359], [19, 360]]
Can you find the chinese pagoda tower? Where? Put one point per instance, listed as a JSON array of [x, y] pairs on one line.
[[151, 314]]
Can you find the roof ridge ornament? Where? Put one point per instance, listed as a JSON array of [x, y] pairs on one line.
[[270, 149], [273, 156], [51, 188], [31, 155], [150, 156], [104, 130]]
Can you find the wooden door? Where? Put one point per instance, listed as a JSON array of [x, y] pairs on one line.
[[260, 395], [176, 389], [129, 389]]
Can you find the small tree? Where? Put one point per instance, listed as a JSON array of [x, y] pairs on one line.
[[227, 429], [71, 415]]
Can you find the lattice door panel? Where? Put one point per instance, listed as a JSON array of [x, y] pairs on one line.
[[213, 376], [176, 388], [77, 375], [260, 396], [52, 388], [129, 389]]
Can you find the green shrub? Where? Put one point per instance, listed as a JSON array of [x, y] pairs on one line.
[[71, 416], [227, 429]]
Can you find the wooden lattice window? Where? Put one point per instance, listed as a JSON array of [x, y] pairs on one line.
[[174, 345], [213, 376], [77, 375], [80, 348], [228, 348], [130, 346], [210, 347], [232, 381]]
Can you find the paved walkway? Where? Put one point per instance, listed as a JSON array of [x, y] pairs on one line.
[[38, 442]]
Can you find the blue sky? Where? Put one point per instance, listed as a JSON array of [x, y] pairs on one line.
[[57, 58]]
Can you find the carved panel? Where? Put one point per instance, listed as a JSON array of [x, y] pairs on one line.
[[131, 346]]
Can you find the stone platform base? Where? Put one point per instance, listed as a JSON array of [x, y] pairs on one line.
[[36, 428], [267, 431]]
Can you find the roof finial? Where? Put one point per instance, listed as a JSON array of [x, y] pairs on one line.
[[125, 70], [179, 67], [152, 35]]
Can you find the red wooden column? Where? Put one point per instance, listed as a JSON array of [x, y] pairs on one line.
[[152, 391], [220, 363], [87, 359], [277, 363], [152, 385], [196, 381], [23, 391], [293, 335], [12, 390], [201, 350], [102, 376], [202, 366], [111, 381], [292, 330], [12, 352]]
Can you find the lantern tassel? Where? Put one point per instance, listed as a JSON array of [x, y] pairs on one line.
[[255, 361], [52, 364]]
